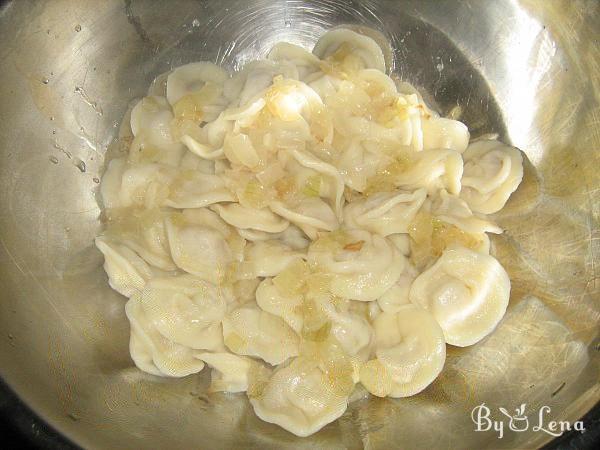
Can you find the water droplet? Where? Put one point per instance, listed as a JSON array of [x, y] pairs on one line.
[[51, 117], [96, 180], [79, 164], [59, 147], [77, 28], [53, 131], [195, 23], [45, 81], [288, 23], [53, 159], [439, 66]]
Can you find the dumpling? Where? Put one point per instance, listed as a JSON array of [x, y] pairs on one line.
[[341, 43], [250, 331], [492, 172], [331, 184], [127, 272], [402, 242], [384, 213], [243, 217], [239, 150], [232, 373], [195, 189], [254, 78], [267, 258], [467, 292], [431, 235], [173, 316], [433, 170], [191, 78], [202, 245], [294, 238], [362, 266], [153, 353], [150, 124], [410, 353], [395, 122], [303, 397], [110, 187], [287, 305], [306, 63], [454, 210], [350, 329], [398, 295], [143, 231], [439, 132], [310, 214], [357, 164], [145, 185]]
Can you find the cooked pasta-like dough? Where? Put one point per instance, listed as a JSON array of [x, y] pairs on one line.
[[466, 291], [492, 172], [410, 353], [302, 226]]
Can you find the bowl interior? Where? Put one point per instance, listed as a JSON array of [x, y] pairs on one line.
[[525, 71]]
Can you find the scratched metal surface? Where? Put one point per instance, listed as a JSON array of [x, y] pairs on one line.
[[528, 71]]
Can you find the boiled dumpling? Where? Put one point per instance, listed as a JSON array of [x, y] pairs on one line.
[[492, 172], [467, 292], [402, 242], [144, 185], [433, 170], [331, 184], [127, 272], [267, 258], [232, 373], [194, 189], [384, 213], [410, 353], [357, 164], [250, 331], [439, 132], [287, 305], [191, 78], [150, 124], [256, 77], [311, 214], [243, 217], [454, 210], [153, 353], [398, 295], [172, 316], [340, 43], [350, 329], [110, 187], [202, 245], [302, 397], [143, 231], [362, 265], [305, 62]]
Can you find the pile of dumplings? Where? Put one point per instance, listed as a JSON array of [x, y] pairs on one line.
[[306, 227]]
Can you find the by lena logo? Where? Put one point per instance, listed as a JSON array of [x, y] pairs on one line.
[[519, 421]]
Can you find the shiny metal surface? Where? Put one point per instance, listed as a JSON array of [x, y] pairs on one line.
[[528, 70]]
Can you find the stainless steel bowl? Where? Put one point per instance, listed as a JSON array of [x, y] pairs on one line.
[[527, 70]]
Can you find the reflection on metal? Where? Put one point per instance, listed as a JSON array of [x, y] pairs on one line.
[[525, 70]]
